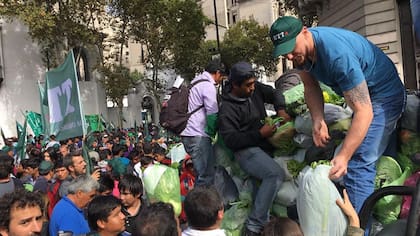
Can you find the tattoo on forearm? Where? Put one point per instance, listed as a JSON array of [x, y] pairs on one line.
[[360, 94]]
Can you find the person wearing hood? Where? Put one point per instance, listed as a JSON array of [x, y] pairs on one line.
[[240, 115]]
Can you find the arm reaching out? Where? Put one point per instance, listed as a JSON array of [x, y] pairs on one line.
[[315, 102], [358, 99], [348, 210]]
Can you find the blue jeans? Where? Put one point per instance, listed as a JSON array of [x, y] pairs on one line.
[[260, 166], [361, 170], [202, 154]]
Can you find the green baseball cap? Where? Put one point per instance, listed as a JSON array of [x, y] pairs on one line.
[[283, 34]]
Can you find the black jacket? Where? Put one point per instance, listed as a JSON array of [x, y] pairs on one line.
[[241, 118]]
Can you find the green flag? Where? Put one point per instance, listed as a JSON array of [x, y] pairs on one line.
[[21, 145], [19, 129], [35, 122], [94, 123], [66, 117], [85, 154], [45, 115]]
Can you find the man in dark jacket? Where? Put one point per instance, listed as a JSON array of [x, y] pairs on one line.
[[240, 124]]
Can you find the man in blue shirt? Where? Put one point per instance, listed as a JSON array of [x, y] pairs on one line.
[[68, 213], [358, 70]]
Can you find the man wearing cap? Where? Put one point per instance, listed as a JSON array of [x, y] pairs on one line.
[[8, 150], [46, 173], [241, 112], [201, 125], [358, 70]]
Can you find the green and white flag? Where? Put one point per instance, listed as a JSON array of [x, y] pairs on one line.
[[65, 111], [35, 122], [45, 115]]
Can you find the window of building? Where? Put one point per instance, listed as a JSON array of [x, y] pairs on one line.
[[111, 104]]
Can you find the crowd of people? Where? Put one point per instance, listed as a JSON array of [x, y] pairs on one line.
[[59, 190]]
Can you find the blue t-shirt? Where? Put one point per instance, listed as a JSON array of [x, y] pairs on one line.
[[344, 59], [68, 217]]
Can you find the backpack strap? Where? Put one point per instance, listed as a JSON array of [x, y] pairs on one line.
[[189, 87]]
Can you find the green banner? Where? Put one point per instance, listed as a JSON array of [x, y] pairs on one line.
[[62, 87], [94, 123], [45, 115], [35, 122], [19, 129], [21, 145]]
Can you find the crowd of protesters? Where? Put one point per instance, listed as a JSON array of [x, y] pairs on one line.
[[98, 176]]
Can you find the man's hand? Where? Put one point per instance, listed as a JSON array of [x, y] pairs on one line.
[[283, 113], [339, 167], [96, 174], [267, 130], [320, 134]]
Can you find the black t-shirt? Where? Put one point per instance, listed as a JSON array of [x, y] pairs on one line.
[[130, 225]]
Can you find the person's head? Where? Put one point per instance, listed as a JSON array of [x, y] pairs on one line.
[[152, 218], [145, 161], [104, 215], [282, 226], [105, 154], [106, 184], [82, 189], [134, 156], [75, 163], [242, 79], [64, 149], [33, 152], [109, 144], [117, 150], [291, 39], [21, 213], [217, 69], [158, 153], [46, 156], [31, 166], [204, 208], [6, 166], [148, 149], [46, 168], [131, 189], [105, 138], [61, 172]]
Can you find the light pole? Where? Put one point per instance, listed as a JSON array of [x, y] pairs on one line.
[[217, 26]]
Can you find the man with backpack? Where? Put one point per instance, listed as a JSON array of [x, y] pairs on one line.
[[196, 137]]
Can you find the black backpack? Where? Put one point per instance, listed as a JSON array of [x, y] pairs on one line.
[[174, 114]]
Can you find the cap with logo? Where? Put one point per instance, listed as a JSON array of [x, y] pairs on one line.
[[283, 34]]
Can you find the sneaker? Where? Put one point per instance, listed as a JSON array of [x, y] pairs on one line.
[[248, 232]]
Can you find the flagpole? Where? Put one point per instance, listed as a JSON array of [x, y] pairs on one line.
[[78, 93]]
